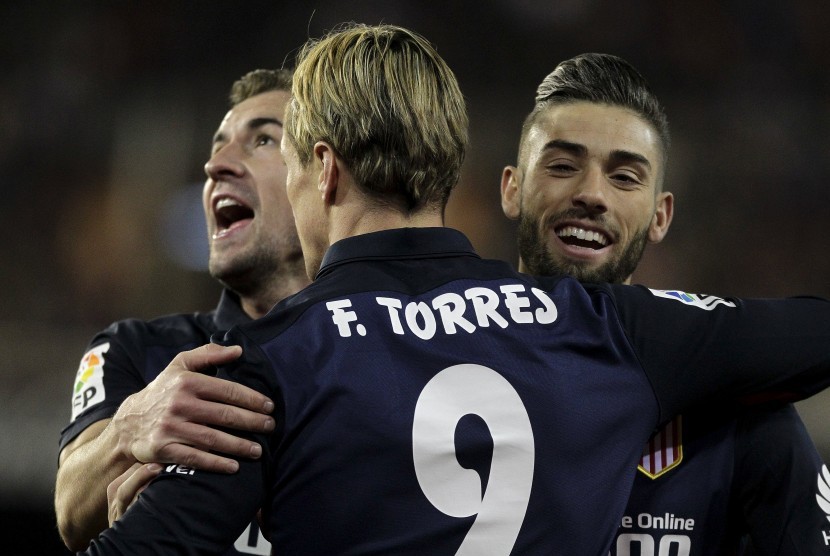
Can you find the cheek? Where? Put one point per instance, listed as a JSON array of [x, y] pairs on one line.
[[293, 184], [635, 217], [290, 190], [206, 191], [539, 201], [299, 209]]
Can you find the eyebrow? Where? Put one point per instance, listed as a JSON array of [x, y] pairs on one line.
[[629, 157], [617, 155], [561, 144], [252, 125]]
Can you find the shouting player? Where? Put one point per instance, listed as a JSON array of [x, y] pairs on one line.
[[135, 399]]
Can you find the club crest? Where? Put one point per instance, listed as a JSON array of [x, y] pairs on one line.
[[664, 450]]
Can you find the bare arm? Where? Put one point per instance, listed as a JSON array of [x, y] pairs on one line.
[[82, 463], [170, 421]]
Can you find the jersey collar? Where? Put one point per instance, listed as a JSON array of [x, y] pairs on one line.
[[229, 312], [399, 243]]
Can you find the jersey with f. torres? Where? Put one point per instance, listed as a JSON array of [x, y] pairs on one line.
[[431, 402]]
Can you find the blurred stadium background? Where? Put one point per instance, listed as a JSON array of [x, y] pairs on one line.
[[108, 109]]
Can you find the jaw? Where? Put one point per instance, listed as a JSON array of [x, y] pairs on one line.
[[229, 245], [230, 242]]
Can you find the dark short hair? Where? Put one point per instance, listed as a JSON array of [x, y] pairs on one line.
[[601, 79], [259, 81]]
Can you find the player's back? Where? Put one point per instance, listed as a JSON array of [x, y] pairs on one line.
[[429, 402], [424, 411]]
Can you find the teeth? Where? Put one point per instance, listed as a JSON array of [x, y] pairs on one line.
[[226, 202], [580, 233]]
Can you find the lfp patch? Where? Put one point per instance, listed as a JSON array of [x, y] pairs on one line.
[[705, 302], [89, 382]]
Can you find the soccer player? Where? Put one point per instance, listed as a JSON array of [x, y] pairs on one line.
[[428, 401], [135, 399], [588, 194]]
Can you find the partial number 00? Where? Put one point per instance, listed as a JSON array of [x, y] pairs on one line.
[[450, 395]]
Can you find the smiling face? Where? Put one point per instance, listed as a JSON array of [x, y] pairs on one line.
[[253, 241], [586, 192]]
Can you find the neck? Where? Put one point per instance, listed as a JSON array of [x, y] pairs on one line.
[[349, 211], [258, 303], [377, 221], [356, 213]]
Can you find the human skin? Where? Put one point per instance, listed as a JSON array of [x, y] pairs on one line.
[[587, 192], [254, 251]]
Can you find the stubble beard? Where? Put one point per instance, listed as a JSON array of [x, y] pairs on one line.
[[247, 274], [540, 262]]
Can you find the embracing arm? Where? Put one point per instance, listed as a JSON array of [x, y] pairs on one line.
[[170, 421], [86, 466], [188, 511], [707, 350]]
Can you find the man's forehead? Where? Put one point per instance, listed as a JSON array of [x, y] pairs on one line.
[[595, 126], [262, 107]]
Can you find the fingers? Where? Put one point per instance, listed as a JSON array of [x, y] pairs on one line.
[[205, 438], [220, 414], [216, 389], [125, 488], [233, 393], [192, 426], [200, 358], [196, 458], [172, 419]]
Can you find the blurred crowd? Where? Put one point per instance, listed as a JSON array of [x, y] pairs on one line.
[[109, 108]]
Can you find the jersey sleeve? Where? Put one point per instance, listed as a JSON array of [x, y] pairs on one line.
[[189, 512], [700, 349], [778, 471], [108, 373]]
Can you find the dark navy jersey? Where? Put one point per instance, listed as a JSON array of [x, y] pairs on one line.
[[715, 484], [431, 402], [782, 487], [129, 354]]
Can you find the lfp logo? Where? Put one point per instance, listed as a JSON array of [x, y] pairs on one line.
[[705, 302], [89, 382]]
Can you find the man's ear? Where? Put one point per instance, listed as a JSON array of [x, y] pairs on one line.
[[511, 194], [330, 171], [661, 220]]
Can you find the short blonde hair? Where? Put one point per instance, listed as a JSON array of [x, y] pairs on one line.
[[384, 99]]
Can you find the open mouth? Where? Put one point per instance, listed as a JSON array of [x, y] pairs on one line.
[[580, 237], [230, 213]]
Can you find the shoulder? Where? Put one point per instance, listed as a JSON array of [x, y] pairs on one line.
[[169, 330]]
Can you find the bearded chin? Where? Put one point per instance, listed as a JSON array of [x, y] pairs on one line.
[[246, 275], [539, 261]]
